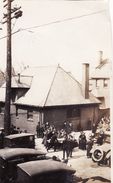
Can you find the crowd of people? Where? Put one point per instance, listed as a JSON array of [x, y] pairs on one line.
[[63, 139], [57, 139], [104, 124], [47, 129]]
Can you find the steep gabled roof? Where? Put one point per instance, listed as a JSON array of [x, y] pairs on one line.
[[102, 64], [103, 70], [25, 82], [52, 86]]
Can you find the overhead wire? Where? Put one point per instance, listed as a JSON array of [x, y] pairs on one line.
[[55, 22], [64, 20]]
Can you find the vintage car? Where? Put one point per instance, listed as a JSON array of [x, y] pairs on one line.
[[45, 171], [10, 157], [23, 140], [101, 154]]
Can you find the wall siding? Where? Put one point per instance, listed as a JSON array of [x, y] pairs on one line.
[[88, 113], [26, 124], [53, 116]]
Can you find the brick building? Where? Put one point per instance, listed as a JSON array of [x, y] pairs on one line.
[[55, 96]]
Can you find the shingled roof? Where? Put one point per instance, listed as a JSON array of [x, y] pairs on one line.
[[52, 86]]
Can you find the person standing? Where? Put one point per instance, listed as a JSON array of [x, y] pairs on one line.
[[65, 126], [47, 125], [53, 142], [93, 128], [70, 127], [71, 145], [89, 147], [82, 141], [65, 147]]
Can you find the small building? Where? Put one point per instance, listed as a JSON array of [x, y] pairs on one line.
[[50, 94], [100, 84], [55, 96]]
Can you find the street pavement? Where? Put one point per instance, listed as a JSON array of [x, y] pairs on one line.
[[86, 170]]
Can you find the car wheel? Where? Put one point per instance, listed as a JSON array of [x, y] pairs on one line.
[[97, 155]]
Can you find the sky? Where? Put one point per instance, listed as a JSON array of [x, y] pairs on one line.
[[68, 33]]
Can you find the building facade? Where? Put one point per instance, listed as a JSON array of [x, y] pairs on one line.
[[55, 96], [100, 84]]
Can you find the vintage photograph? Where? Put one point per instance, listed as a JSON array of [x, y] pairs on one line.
[[55, 91]]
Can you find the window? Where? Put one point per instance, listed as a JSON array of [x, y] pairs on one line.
[[2, 108], [73, 112], [30, 115], [105, 83]]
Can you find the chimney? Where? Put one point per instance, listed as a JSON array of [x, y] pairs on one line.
[[100, 57], [18, 77], [85, 80]]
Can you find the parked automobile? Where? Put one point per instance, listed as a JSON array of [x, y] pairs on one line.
[[45, 171], [101, 154], [23, 140], [10, 157]]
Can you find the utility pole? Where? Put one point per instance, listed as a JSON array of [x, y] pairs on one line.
[[17, 13], [8, 72]]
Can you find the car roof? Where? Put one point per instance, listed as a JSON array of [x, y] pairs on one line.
[[10, 153], [39, 167], [13, 136], [1, 128]]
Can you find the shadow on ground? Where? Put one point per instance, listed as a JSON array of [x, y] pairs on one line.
[[96, 179]]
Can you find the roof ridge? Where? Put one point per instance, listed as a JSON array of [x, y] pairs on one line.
[[70, 75], [103, 63], [80, 85], [51, 85]]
